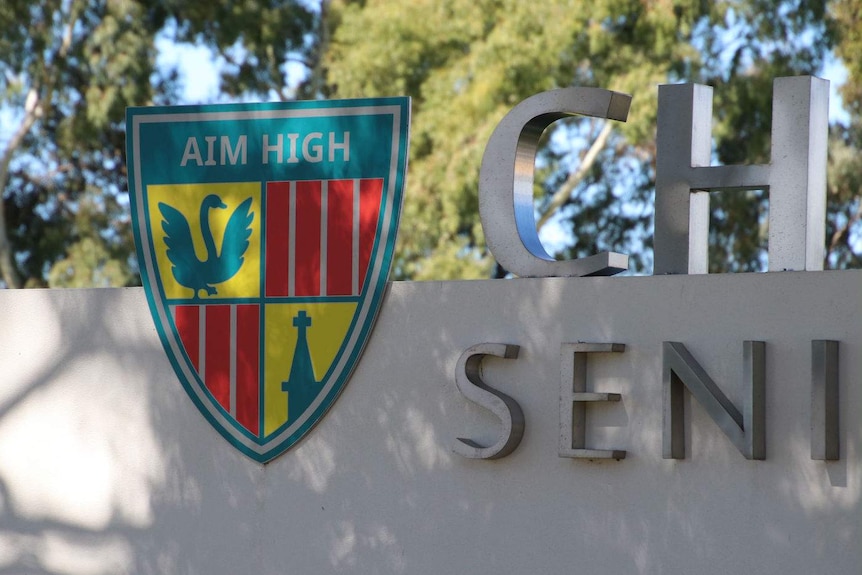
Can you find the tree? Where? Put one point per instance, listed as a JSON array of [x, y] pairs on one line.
[[467, 63], [844, 226], [757, 42], [68, 70]]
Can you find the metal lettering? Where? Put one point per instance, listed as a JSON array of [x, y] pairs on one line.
[[507, 170], [795, 178], [825, 435], [468, 378], [746, 430], [574, 399]]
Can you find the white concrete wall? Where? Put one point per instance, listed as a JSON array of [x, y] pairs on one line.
[[107, 467]]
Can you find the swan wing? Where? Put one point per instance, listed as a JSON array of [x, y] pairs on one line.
[[181, 249], [236, 241]]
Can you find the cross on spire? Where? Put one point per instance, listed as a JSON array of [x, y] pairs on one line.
[[302, 320]]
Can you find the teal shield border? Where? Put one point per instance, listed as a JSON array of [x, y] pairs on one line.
[[155, 142]]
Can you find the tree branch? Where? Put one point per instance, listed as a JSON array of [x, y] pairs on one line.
[[32, 110], [565, 191]]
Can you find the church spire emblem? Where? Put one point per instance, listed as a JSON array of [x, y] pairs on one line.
[[301, 386]]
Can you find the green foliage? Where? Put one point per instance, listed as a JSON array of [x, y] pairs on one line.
[[844, 225], [755, 42], [847, 16], [256, 39], [68, 69], [467, 63]]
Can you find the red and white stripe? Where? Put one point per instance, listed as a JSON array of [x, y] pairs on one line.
[[223, 345], [320, 235]]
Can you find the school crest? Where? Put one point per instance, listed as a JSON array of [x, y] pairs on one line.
[[264, 237]]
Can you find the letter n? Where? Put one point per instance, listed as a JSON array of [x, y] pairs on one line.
[[746, 430]]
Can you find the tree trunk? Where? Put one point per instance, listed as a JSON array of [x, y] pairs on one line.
[[8, 271]]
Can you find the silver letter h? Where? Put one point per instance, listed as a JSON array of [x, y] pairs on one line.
[[795, 178]]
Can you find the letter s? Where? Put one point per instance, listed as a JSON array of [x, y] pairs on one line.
[[468, 378]]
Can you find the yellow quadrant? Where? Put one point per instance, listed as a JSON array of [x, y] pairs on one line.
[[187, 198], [328, 329]]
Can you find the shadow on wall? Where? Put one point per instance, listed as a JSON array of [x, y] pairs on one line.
[[106, 467], [644, 515], [80, 458]]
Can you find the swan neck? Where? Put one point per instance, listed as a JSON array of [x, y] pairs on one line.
[[209, 242]]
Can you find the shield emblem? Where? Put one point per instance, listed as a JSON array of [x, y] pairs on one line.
[[265, 236]]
